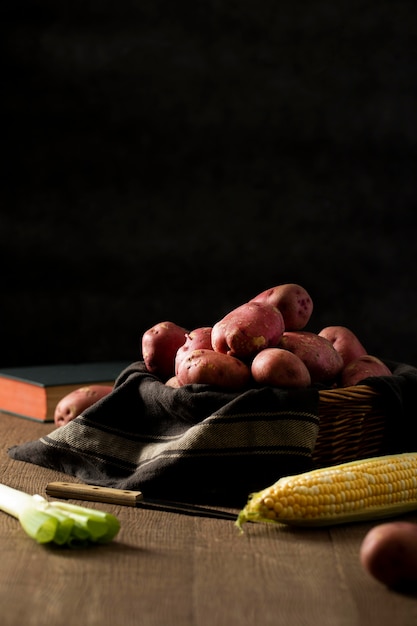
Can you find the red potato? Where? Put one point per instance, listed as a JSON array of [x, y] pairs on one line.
[[292, 300], [247, 330], [280, 368], [199, 338], [344, 341], [75, 402], [389, 554], [322, 361], [213, 368], [363, 367], [159, 347]]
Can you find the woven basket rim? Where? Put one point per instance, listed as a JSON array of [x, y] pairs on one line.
[[356, 392]]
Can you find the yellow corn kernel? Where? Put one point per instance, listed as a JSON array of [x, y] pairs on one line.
[[373, 488]]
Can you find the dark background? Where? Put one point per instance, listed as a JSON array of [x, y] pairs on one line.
[[169, 160]]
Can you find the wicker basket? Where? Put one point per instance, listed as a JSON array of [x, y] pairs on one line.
[[352, 425]]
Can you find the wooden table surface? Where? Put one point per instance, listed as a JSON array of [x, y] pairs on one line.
[[164, 569]]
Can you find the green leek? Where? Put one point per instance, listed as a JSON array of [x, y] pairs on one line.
[[56, 522]]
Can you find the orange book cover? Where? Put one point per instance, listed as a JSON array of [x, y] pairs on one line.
[[34, 391]]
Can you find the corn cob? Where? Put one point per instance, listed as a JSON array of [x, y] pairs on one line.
[[372, 488]]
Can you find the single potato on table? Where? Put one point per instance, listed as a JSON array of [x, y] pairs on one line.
[[75, 402], [389, 554]]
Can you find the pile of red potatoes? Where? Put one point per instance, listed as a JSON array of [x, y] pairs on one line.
[[261, 342]]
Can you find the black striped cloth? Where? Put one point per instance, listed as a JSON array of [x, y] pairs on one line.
[[190, 443], [198, 444]]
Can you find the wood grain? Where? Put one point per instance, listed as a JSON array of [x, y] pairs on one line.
[[165, 568]]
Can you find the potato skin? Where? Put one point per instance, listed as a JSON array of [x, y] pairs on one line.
[[75, 402], [322, 361], [160, 344], [389, 554], [344, 341], [279, 368], [213, 368], [363, 367], [195, 340], [247, 330], [292, 300]]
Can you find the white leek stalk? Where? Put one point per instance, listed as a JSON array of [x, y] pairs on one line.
[[58, 522]]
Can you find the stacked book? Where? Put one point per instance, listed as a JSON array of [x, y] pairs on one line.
[[33, 392]]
